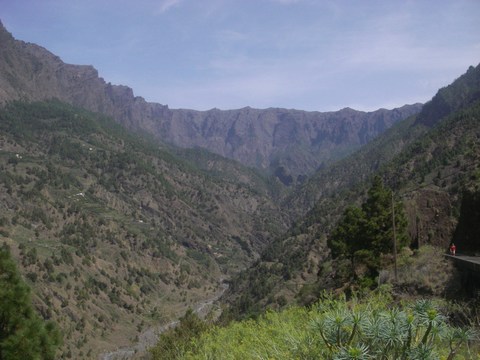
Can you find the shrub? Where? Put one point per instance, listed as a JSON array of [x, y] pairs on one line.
[[337, 329]]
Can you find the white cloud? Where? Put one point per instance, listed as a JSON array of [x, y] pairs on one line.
[[166, 5]]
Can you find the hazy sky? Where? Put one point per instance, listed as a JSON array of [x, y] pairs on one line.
[[303, 54]]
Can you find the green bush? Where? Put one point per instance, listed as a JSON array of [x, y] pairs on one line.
[[338, 329], [176, 342]]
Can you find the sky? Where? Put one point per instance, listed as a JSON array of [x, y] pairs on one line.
[[304, 54]]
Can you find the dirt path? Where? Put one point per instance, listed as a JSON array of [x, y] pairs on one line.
[[149, 337]]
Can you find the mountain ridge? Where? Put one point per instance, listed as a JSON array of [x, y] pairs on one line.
[[290, 144], [429, 165]]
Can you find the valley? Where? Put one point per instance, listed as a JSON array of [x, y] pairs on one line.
[[127, 218], [118, 233]]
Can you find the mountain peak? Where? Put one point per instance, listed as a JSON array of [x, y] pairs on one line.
[[463, 91], [5, 35]]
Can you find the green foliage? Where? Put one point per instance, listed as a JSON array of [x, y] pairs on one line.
[[452, 143], [346, 238], [200, 257], [176, 342], [378, 231], [23, 334], [363, 234], [339, 329]]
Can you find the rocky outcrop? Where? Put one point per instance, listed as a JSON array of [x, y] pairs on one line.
[[289, 143]]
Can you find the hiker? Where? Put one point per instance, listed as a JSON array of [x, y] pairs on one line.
[[453, 248]]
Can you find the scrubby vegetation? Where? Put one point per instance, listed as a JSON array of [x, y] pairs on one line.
[[336, 328], [113, 232], [424, 272]]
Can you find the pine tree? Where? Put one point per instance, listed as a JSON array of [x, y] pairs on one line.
[[367, 232], [378, 229], [347, 238], [23, 334]]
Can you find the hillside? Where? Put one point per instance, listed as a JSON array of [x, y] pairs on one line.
[[115, 233], [122, 214], [290, 144], [359, 167], [428, 164]]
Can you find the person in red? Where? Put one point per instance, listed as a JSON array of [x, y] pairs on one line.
[[453, 249]]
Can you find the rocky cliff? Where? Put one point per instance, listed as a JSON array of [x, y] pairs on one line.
[[288, 143]]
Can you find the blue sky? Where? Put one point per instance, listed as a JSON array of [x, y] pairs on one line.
[[303, 54]]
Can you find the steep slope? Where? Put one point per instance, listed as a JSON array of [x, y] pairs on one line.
[[115, 233], [288, 143], [460, 94], [353, 170], [427, 163]]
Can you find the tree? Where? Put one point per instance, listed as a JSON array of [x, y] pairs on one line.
[[346, 239], [23, 334], [367, 232], [378, 229]]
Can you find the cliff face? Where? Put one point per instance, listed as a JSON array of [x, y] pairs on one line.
[[289, 143], [30, 72]]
